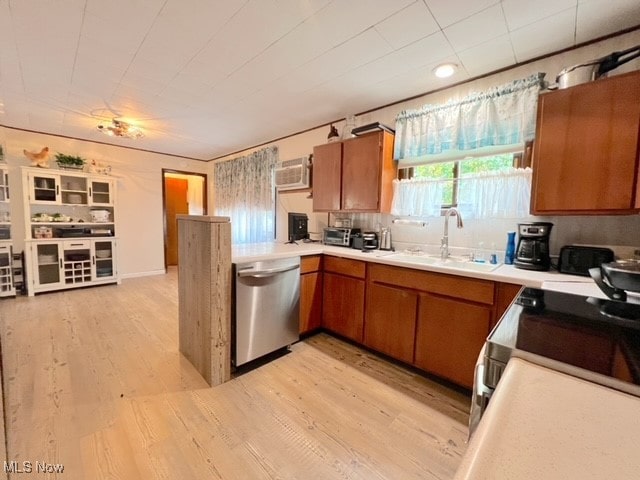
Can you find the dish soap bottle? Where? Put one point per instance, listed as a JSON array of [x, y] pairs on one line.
[[510, 252]]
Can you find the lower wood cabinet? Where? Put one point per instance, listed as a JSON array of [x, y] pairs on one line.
[[437, 322], [310, 293], [434, 321], [449, 337], [390, 325], [343, 297]]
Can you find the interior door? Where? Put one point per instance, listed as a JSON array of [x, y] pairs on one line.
[[175, 204]]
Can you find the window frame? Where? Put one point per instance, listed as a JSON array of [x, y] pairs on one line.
[[521, 159]]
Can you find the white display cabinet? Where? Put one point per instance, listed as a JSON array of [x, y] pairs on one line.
[[70, 228]]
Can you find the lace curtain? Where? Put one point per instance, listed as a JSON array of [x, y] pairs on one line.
[[503, 194], [244, 191], [501, 116]]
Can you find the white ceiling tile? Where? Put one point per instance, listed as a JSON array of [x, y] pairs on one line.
[[620, 14], [489, 56], [408, 25], [360, 50], [524, 12], [126, 38], [448, 12], [544, 36], [342, 20], [478, 28]]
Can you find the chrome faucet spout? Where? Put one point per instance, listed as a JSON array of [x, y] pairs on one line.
[[444, 244]]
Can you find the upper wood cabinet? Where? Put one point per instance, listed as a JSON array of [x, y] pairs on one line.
[[585, 157], [355, 174]]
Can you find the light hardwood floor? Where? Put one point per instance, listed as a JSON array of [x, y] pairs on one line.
[[94, 381]]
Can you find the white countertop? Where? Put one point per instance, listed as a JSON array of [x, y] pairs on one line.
[[542, 424], [504, 273]]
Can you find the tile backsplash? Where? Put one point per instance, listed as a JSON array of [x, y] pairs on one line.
[[621, 233]]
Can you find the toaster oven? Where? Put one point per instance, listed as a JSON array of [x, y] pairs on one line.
[[338, 236]]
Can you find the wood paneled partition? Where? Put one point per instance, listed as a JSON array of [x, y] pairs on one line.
[[204, 294]]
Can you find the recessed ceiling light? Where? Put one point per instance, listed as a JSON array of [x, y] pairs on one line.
[[445, 70]]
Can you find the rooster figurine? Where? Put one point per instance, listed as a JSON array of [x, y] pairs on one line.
[[40, 159]]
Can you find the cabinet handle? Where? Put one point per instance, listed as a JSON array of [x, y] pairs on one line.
[[57, 189], [76, 244], [93, 259], [90, 192], [60, 260]]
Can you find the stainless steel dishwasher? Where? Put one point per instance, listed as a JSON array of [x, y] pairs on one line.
[[267, 304]]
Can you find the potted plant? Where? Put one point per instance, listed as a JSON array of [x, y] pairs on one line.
[[69, 161]]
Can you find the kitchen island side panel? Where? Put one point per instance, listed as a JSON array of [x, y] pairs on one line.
[[204, 295]]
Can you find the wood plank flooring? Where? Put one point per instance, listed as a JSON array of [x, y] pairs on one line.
[[93, 381]]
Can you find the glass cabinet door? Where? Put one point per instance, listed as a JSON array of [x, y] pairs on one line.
[[104, 259], [73, 190], [101, 192], [44, 188], [4, 185], [6, 272], [48, 263]]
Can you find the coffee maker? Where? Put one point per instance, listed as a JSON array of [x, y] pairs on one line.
[[533, 246]]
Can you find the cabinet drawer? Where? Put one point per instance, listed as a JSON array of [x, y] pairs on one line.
[[345, 266], [463, 288], [76, 244], [310, 263]]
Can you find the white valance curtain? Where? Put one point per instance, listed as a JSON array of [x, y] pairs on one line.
[[502, 117], [504, 194], [244, 191]]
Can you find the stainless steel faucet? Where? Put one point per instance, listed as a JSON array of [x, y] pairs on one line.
[[444, 244]]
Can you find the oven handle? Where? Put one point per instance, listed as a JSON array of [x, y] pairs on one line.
[[265, 273]]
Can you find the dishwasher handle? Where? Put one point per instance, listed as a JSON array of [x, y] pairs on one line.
[[265, 273]]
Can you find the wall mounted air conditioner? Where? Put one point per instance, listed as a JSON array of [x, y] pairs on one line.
[[292, 174]]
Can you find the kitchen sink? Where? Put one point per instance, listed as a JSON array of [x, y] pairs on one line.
[[451, 262]]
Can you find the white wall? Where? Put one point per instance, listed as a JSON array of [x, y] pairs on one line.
[[140, 223], [615, 231]]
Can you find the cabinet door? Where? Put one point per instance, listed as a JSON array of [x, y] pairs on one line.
[[73, 190], [327, 171], [586, 149], [390, 321], [449, 337], [343, 305], [103, 259], [44, 188], [47, 264], [101, 192], [4, 185], [6, 271], [361, 173], [310, 301]]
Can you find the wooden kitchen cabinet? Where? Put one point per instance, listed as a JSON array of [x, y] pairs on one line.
[[449, 337], [437, 322], [343, 297], [585, 157], [354, 175], [310, 293], [390, 321], [327, 175]]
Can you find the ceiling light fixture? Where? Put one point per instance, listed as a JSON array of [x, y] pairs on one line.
[[445, 70], [119, 128]]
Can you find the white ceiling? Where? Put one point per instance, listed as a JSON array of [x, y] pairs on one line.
[[205, 78]]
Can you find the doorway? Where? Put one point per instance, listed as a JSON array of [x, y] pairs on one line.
[[182, 193]]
